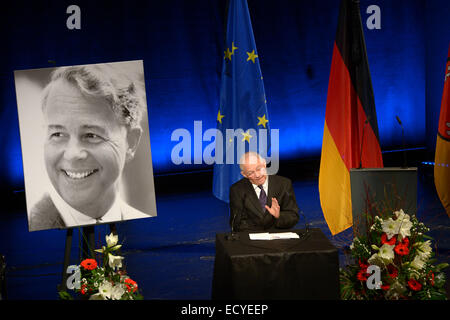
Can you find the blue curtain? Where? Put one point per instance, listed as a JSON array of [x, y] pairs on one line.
[[182, 45]]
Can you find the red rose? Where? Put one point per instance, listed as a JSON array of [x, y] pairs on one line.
[[401, 250], [384, 240], [131, 285], [414, 285], [83, 289], [89, 264], [393, 271], [385, 287]]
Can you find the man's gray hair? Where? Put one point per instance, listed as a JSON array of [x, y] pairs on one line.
[[122, 94], [247, 155]]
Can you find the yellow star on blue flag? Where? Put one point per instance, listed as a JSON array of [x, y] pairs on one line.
[[262, 121], [219, 117], [252, 56]]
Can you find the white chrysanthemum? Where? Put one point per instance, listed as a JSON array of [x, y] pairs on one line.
[[424, 250], [418, 263]]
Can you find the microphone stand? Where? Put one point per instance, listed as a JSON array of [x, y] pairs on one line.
[[403, 142], [306, 223], [362, 143], [233, 236]]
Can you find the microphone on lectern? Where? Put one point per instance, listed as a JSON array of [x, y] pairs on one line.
[[403, 142], [362, 142]]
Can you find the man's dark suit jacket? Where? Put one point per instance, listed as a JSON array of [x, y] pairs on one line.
[[246, 213], [44, 215]]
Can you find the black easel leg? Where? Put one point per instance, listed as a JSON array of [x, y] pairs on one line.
[[68, 247], [88, 242], [112, 228]]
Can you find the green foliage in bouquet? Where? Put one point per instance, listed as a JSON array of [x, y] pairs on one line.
[[397, 244]]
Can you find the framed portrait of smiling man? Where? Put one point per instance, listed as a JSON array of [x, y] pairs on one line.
[[85, 144]]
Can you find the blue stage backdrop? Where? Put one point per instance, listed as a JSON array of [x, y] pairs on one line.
[[182, 45]]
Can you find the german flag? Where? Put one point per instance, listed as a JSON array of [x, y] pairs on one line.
[[442, 155], [350, 118]]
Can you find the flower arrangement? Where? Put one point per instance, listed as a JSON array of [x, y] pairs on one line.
[[398, 246], [107, 282]]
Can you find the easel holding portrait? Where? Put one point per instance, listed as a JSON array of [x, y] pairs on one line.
[[82, 163]]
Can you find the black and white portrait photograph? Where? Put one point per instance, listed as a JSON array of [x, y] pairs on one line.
[[85, 144]]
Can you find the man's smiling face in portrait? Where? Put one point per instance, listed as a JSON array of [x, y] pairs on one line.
[[85, 148]]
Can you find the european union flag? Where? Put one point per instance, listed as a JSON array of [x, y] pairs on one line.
[[242, 119]]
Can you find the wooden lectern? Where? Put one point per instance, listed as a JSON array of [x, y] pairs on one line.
[[375, 190]]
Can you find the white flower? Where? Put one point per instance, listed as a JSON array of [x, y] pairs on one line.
[[375, 259], [424, 250], [97, 296], [400, 213], [386, 252], [117, 292], [390, 227], [105, 289], [111, 240], [404, 223], [353, 243], [376, 226], [405, 229], [384, 256], [395, 291], [413, 272], [115, 261], [417, 263]]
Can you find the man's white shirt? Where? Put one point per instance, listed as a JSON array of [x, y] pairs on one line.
[[265, 187], [72, 217]]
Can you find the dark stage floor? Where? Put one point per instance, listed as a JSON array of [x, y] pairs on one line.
[[171, 256]]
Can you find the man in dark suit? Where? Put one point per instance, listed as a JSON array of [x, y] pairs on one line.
[[260, 202]]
